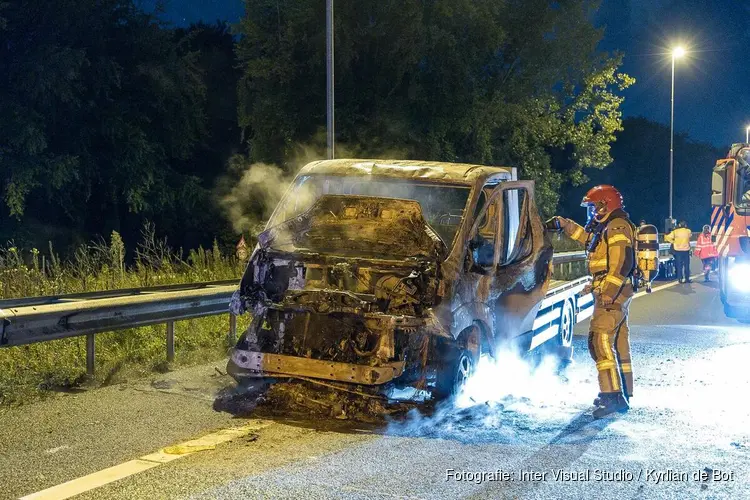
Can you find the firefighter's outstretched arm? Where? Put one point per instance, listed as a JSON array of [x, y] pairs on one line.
[[621, 259], [572, 230]]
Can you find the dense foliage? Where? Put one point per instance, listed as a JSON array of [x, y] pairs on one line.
[[109, 117], [104, 118], [487, 81], [641, 171]]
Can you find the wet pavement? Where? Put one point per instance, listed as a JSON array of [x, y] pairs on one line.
[[522, 434]]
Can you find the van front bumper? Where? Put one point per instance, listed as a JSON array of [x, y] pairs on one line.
[[251, 364]]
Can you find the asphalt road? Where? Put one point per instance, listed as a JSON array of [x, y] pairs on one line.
[[687, 429]]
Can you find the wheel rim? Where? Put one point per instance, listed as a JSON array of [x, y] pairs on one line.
[[566, 326], [463, 372]]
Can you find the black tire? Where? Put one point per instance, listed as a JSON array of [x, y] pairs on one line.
[[455, 369]]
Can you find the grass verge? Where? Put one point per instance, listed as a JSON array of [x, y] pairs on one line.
[[32, 371]]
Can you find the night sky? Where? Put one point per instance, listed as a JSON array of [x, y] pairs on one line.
[[712, 94]]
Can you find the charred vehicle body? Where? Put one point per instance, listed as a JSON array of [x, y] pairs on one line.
[[377, 275]]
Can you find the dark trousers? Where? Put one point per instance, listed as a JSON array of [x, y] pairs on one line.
[[682, 260], [709, 263]]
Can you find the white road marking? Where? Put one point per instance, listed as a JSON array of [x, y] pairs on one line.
[[664, 287], [131, 467]]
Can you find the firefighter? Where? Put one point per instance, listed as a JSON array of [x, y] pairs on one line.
[[705, 250], [680, 240], [609, 237]]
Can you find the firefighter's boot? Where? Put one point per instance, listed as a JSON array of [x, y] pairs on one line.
[[610, 402], [598, 399]]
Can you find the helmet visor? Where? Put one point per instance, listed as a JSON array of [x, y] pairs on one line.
[[590, 212]]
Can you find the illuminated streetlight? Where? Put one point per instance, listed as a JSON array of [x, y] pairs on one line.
[[677, 53], [747, 135]]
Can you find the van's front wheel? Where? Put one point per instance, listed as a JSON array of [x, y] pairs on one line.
[[455, 371]]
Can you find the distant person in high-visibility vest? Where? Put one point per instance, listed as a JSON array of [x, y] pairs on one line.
[[680, 240], [705, 250]]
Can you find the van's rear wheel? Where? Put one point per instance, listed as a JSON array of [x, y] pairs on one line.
[[565, 338], [565, 334]]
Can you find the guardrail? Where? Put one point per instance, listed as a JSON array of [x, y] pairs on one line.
[[564, 261], [40, 319]]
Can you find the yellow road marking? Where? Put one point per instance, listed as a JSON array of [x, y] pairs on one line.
[[163, 456]]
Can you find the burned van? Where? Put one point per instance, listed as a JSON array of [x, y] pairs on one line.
[[385, 274]]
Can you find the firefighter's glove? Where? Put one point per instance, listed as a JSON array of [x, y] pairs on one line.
[[555, 224], [606, 300], [588, 289]]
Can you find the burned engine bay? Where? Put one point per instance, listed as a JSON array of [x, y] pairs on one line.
[[343, 294]]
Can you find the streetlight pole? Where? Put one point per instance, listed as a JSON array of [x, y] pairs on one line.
[[747, 135], [677, 52], [329, 78], [671, 143]]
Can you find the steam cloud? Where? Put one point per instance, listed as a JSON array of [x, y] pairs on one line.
[[251, 191], [251, 201], [503, 396]]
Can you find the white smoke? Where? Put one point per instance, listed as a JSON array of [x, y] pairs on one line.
[[250, 201], [250, 191], [504, 395]]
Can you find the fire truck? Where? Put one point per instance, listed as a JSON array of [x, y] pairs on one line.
[[730, 226]]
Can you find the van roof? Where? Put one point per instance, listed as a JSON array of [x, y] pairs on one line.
[[432, 171]]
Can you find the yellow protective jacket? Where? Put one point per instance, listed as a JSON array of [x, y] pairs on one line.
[[680, 239], [612, 261]]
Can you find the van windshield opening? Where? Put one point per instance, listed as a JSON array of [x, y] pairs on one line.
[[442, 205]]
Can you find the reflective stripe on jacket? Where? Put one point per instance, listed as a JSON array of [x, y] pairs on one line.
[[680, 238], [613, 259], [705, 248]]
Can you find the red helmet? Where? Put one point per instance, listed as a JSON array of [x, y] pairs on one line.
[[602, 200]]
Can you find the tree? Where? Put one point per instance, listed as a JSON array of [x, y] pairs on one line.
[[98, 107], [486, 81], [641, 172]]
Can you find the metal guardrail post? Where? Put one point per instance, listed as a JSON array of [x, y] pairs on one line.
[[90, 351], [232, 329], [170, 341]]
